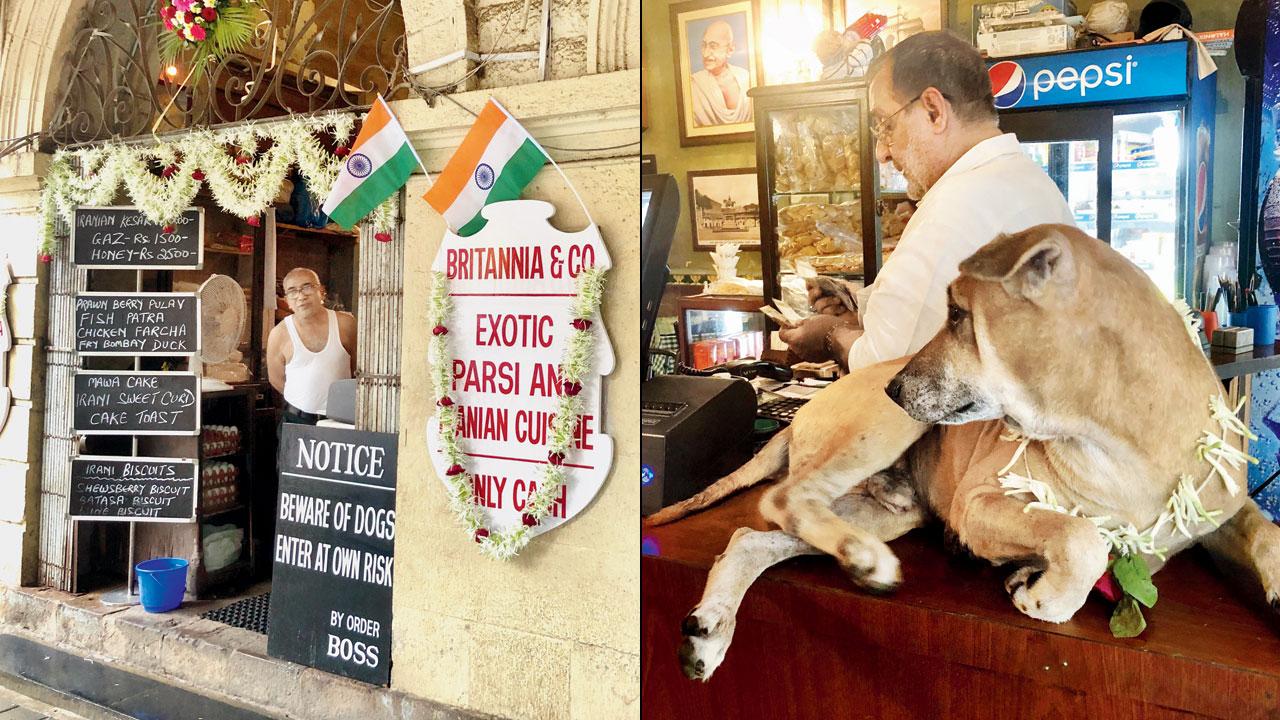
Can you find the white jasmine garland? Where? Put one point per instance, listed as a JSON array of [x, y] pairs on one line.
[[242, 189], [1184, 508], [575, 364]]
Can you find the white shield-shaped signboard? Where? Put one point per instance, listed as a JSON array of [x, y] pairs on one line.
[[511, 285]]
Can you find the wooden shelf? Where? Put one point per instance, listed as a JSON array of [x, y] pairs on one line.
[[316, 231], [226, 251]]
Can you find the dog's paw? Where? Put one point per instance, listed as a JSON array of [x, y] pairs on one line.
[[1036, 597], [894, 494], [872, 566], [707, 631]]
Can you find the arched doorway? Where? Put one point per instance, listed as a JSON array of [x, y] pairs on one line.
[[305, 56]]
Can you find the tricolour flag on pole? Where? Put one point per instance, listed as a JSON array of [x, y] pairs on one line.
[[380, 162], [495, 162]]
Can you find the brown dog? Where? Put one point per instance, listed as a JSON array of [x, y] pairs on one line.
[[1050, 334]]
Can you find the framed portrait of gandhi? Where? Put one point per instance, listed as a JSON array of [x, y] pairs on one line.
[[716, 62]]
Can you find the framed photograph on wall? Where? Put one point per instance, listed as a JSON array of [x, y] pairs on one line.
[[716, 63], [905, 17], [724, 207]]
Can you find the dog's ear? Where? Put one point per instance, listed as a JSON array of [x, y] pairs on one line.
[[1026, 263]]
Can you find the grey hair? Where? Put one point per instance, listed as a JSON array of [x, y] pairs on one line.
[[940, 59]]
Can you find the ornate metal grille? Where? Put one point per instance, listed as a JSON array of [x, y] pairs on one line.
[[305, 56]]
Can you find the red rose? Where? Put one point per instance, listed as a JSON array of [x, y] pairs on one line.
[[1108, 586], [188, 18], [168, 24], [167, 12], [209, 14]]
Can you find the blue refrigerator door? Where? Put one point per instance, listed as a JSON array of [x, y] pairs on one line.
[[1120, 132]]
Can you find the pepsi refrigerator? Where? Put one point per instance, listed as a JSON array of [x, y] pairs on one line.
[[1127, 134]]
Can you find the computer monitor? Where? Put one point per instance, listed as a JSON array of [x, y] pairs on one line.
[[659, 211]]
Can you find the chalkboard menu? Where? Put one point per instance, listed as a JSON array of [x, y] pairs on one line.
[[111, 402], [121, 237], [139, 489], [335, 536], [137, 323]]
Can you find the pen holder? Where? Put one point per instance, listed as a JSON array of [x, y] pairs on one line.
[[1239, 319], [1262, 318], [1209, 319]]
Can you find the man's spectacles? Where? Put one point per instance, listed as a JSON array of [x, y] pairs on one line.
[[297, 292], [713, 46], [881, 128]]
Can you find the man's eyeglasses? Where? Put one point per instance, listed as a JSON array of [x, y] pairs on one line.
[[882, 127], [297, 292]]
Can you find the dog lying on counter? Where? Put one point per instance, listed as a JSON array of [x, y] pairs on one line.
[[1050, 421]]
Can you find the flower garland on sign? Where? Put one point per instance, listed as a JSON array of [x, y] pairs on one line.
[[574, 366], [162, 180], [1127, 542]]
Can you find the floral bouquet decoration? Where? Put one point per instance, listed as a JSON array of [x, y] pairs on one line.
[[207, 28]]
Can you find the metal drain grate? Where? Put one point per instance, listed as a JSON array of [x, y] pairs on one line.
[[251, 613]]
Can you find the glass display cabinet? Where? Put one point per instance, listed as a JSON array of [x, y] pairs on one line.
[[818, 185]]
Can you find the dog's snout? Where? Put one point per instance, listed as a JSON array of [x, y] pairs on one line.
[[894, 390]]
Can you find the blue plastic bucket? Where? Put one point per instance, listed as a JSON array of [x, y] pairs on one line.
[[161, 583]]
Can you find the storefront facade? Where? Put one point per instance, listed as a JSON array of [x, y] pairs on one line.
[[554, 633]]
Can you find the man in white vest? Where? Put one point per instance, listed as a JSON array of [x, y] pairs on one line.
[[719, 90], [309, 350]]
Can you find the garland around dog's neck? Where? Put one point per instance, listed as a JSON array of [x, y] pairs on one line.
[[1184, 508]]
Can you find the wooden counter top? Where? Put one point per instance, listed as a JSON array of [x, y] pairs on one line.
[[948, 643]]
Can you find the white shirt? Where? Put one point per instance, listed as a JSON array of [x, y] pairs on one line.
[[308, 375], [993, 188], [709, 107]]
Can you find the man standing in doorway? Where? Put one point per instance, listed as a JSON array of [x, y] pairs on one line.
[[309, 350]]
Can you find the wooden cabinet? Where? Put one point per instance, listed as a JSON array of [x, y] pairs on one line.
[[220, 564]]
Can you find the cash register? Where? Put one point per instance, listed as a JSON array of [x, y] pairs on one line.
[[693, 429]]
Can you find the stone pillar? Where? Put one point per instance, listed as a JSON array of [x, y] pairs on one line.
[[26, 308], [443, 39], [553, 633]]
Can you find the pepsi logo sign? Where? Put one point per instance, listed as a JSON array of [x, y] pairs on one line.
[[1008, 83]]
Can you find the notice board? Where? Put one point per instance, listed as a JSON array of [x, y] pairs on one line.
[[139, 489], [333, 551], [121, 237], [120, 402], [137, 323]]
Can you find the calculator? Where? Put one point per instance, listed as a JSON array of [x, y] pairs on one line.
[[781, 409]]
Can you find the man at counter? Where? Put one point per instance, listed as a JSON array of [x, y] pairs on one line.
[[933, 116], [309, 350]]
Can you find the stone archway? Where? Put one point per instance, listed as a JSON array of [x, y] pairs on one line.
[[32, 46]]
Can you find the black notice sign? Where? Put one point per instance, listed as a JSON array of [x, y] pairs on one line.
[[109, 402], [137, 323], [335, 535], [137, 489], [121, 237]]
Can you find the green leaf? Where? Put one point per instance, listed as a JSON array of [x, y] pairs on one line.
[[1127, 620], [1135, 578]]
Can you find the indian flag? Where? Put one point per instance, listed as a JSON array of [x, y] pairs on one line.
[[495, 162], [380, 162]]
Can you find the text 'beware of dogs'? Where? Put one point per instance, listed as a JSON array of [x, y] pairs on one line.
[[333, 551]]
